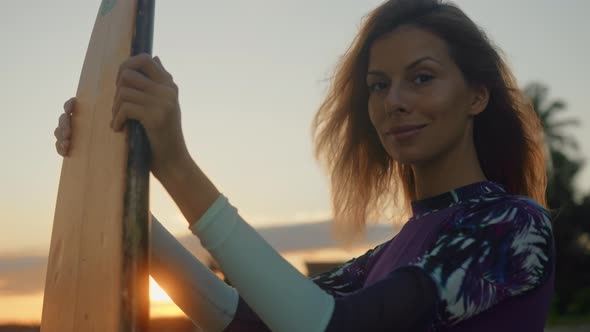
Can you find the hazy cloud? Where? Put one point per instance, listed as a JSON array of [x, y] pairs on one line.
[[23, 275]]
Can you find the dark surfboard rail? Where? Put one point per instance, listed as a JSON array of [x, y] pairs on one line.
[[136, 228]]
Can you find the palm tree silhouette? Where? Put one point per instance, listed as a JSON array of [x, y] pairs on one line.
[[547, 110], [571, 217], [560, 145]]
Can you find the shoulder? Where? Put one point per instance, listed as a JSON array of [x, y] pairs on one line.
[[502, 211], [493, 248], [504, 223], [509, 236]]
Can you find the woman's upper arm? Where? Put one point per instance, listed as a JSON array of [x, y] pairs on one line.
[[487, 256]]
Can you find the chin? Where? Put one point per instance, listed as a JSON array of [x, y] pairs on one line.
[[410, 157]]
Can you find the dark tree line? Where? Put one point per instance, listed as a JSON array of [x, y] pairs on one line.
[[570, 207]]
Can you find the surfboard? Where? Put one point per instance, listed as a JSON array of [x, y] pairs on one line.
[[98, 266]]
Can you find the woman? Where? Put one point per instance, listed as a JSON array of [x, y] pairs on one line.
[[423, 110]]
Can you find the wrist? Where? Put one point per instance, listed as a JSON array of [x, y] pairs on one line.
[[188, 186], [174, 171]]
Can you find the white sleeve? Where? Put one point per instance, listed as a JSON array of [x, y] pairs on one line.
[[205, 299], [282, 297]]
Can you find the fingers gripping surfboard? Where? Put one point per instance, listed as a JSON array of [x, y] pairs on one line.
[[98, 268]]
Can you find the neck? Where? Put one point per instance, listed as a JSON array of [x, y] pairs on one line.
[[459, 167]]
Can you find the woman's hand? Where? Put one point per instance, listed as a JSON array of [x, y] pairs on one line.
[[63, 132], [147, 93]]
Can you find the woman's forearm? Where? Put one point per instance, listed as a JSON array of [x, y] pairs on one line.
[[202, 296], [189, 187]]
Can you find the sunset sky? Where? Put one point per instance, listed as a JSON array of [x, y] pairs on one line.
[[251, 76]]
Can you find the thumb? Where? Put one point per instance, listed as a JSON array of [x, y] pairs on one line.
[[159, 63]]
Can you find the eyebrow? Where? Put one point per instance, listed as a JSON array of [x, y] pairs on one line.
[[410, 66]]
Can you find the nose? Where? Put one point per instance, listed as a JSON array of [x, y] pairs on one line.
[[395, 101]]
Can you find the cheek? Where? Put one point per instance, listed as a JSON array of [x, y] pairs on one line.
[[375, 117], [373, 109], [445, 106], [447, 114]]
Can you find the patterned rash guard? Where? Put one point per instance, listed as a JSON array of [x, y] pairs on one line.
[[487, 256]]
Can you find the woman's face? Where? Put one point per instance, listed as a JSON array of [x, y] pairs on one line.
[[419, 102]]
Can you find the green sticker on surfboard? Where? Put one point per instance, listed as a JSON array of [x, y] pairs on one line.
[[106, 6]]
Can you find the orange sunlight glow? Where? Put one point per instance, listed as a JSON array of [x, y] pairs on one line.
[[161, 304], [21, 309], [157, 294]]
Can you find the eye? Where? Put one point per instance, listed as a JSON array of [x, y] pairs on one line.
[[377, 86], [423, 78]]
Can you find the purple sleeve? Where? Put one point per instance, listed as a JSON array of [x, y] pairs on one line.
[[487, 255], [347, 278], [405, 300]]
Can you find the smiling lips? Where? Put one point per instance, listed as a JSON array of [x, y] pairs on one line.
[[404, 132]]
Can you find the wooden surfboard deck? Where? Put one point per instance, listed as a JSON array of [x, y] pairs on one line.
[[86, 287]]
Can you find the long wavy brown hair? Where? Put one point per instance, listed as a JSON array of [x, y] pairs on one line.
[[365, 181]]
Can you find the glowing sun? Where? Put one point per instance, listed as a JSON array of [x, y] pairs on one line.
[[157, 294]]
